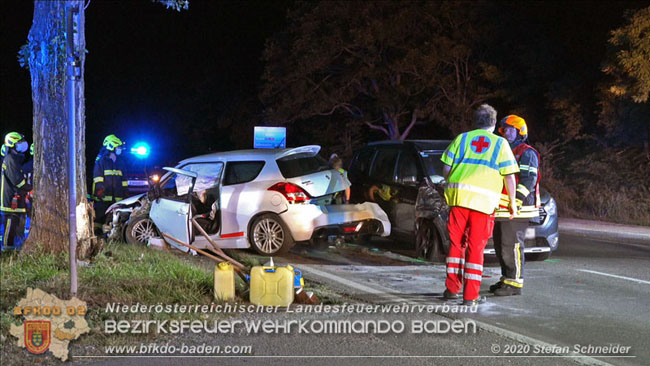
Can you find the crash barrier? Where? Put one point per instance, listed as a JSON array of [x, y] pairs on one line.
[[224, 282], [269, 285]]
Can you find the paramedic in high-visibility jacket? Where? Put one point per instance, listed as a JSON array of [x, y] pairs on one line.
[[109, 184], [509, 235], [476, 165]]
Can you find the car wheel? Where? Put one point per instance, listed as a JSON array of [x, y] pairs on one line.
[[427, 242], [269, 235], [361, 239], [139, 230], [320, 244]]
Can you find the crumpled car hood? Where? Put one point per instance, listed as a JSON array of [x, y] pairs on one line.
[[125, 202]]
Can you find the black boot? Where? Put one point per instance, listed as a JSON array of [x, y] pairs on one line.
[[507, 290], [496, 286], [448, 295], [475, 302]]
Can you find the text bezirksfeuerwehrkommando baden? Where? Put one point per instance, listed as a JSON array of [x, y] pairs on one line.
[[313, 326], [309, 326]]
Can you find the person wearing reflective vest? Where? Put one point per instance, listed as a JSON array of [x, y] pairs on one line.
[[109, 184], [509, 235], [476, 164], [14, 187]]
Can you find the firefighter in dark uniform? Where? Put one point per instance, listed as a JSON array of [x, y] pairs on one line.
[[109, 184], [14, 188], [509, 235]]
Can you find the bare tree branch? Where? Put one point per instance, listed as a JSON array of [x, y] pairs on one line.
[[375, 127], [414, 118]]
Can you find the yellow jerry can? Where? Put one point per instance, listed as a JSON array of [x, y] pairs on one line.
[[224, 282], [271, 286]]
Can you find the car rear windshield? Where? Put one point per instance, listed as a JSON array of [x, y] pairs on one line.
[[296, 165]]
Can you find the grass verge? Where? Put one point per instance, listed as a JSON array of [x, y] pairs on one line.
[[122, 274]]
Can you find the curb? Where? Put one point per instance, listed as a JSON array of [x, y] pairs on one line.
[[605, 230]]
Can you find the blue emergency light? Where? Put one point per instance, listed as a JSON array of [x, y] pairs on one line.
[[140, 150]]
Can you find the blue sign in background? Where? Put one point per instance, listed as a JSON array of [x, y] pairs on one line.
[[270, 137]]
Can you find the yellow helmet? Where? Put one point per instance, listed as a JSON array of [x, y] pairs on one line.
[[516, 122], [111, 142], [12, 138]]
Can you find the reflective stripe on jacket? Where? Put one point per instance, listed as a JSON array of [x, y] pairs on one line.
[[527, 184], [478, 160]]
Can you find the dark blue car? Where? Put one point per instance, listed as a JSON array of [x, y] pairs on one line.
[[402, 176]]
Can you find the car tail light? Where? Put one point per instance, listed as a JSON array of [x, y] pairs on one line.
[[353, 228], [291, 192]]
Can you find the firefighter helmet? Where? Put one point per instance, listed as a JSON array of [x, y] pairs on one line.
[[12, 138], [111, 142], [516, 122]]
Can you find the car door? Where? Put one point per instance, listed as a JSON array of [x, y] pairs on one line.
[[409, 178], [240, 197], [383, 189], [358, 174], [206, 192], [172, 210]]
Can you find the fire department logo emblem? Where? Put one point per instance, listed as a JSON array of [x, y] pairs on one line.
[[38, 335]]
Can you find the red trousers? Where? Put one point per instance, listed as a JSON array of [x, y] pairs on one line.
[[469, 232]]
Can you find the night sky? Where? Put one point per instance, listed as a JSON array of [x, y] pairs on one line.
[[150, 69]]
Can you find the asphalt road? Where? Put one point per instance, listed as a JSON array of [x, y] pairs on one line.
[[574, 298], [590, 292]]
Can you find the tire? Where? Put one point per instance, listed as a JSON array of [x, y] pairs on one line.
[[139, 230], [320, 244], [428, 244], [361, 239], [269, 235]]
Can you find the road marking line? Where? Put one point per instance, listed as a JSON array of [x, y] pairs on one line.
[[575, 357], [352, 284], [615, 276]]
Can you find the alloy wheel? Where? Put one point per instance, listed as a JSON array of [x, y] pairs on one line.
[[143, 230], [268, 235]]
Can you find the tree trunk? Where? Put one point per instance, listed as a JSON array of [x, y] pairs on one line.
[[46, 58]]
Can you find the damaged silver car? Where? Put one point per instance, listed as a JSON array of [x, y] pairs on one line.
[[267, 199]]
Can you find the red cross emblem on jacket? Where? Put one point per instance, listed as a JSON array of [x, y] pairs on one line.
[[479, 144]]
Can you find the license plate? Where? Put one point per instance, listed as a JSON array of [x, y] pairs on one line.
[[138, 183]]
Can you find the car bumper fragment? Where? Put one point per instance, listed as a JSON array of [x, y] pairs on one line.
[[305, 221]]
